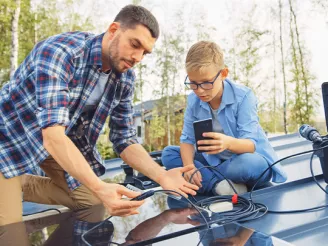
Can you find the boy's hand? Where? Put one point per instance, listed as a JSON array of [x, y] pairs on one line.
[[196, 179], [173, 180], [217, 144]]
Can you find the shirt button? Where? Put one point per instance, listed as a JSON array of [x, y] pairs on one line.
[[84, 98]]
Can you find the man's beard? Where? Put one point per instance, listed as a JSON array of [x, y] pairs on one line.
[[114, 57]]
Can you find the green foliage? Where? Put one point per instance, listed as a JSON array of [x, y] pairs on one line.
[[36, 238], [106, 151], [141, 71], [303, 100], [6, 12], [36, 24], [149, 147], [271, 121], [157, 126], [116, 179], [250, 42]]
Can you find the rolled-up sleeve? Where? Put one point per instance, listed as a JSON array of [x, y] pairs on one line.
[[122, 131], [54, 69], [247, 119], [188, 135]]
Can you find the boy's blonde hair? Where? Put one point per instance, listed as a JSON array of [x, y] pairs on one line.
[[204, 54]]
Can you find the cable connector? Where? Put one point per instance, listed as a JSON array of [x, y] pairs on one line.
[[234, 199], [143, 196]]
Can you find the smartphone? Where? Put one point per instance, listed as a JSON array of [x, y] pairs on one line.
[[200, 127]]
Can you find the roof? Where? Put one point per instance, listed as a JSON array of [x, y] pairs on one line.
[[298, 192], [148, 106]]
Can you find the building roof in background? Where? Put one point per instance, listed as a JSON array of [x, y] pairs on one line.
[[150, 105]]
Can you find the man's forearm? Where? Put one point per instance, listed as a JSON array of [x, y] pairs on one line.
[[187, 153], [137, 157], [63, 150]]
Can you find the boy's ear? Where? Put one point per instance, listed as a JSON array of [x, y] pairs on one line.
[[224, 72]]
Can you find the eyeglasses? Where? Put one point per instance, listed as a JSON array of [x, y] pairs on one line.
[[207, 85]]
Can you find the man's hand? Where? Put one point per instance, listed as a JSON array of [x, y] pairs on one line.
[[196, 179], [173, 180], [217, 144], [111, 196]]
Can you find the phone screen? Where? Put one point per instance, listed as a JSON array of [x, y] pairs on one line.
[[200, 127]]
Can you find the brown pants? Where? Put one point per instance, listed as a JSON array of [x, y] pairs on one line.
[[46, 190]]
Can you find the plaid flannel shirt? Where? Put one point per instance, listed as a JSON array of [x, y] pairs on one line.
[[51, 87]]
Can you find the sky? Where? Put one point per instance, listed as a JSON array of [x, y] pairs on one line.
[[227, 17]]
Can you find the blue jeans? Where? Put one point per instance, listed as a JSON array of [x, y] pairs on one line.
[[244, 168]]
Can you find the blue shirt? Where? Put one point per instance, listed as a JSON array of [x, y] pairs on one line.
[[238, 117], [51, 87]]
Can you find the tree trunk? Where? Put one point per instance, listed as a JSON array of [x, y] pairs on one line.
[[298, 97], [14, 39], [274, 84], [283, 69], [168, 117], [304, 76]]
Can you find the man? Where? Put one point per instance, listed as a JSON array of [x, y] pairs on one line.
[[238, 146], [53, 109]]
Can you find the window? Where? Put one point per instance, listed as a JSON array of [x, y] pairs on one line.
[[139, 131]]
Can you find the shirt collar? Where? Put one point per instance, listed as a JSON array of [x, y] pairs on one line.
[[228, 96], [95, 44]]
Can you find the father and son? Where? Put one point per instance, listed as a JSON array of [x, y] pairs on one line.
[[55, 105]]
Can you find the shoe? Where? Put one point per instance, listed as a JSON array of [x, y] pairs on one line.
[[224, 188]]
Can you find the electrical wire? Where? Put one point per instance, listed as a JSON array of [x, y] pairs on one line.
[[156, 191], [46, 210], [248, 209], [313, 176], [245, 209]]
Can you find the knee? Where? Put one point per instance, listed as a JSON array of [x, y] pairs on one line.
[[83, 198], [253, 161], [250, 165], [169, 156]]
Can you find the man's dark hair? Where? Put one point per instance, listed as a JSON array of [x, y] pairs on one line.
[[132, 15]]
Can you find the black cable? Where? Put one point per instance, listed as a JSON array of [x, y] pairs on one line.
[[313, 176], [244, 209], [193, 205], [156, 191], [213, 168], [311, 164], [248, 210], [280, 160], [46, 210]]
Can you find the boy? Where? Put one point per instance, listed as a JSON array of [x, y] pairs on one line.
[[238, 146]]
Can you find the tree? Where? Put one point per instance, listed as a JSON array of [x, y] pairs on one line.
[[20, 34], [303, 101], [14, 38], [6, 13], [283, 67], [157, 128], [165, 64], [249, 45], [138, 95]]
